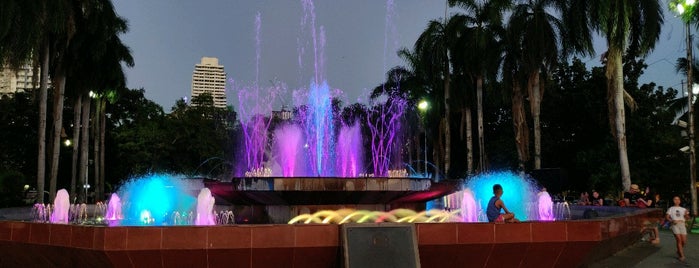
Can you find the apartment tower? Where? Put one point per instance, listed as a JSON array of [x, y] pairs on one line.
[[13, 81], [209, 77]]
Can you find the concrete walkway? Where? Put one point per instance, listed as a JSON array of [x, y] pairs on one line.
[[645, 254]]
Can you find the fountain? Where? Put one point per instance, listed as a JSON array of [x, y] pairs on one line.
[[519, 193], [469, 208], [312, 170], [61, 207], [153, 199], [205, 208], [114, 208], [289, 146], [521, 196], [350, 151], [545, 205]]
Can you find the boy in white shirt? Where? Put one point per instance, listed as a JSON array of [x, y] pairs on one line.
[[677, 215]]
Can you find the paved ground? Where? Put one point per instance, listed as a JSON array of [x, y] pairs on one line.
[[645, 254]]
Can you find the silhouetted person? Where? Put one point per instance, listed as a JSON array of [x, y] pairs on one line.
[[495, 205], [596, 199]]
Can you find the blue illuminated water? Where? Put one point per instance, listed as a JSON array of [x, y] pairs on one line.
[[151, 199], [519, 194], [319, 127]]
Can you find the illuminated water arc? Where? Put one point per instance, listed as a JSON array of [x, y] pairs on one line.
[[299, 218], [354, 214]]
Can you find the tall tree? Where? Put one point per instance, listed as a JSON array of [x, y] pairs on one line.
[[36, 28], [95, 56], [539, 33], [514, 76], [625, 24], [481, 50], [432, 47]]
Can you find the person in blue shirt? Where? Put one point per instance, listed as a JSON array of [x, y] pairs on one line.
[[495, 205]]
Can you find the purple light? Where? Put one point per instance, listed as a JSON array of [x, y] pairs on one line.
[[384, 122], [288, 144], [469, 209], [114, 208], [349, 151], [545, 206]]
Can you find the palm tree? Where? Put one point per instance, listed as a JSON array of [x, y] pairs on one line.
[[98, 70], [514, 77], [19, 34], [480, 48], [414, 82], [18, 44], [538, 35], [36, 28], [432, 47], [679, 105], [625, 24]]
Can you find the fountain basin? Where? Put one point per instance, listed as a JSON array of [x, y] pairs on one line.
[[327, 190], [539, 244]]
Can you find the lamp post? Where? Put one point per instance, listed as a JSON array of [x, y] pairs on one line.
[[684, 8], [86, 186], [423, 106]]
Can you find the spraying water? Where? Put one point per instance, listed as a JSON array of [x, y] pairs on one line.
[[288, 143], [319, 149], [349, 147], [320, 129], [384, 123], [205, 207], [519, 194], [152, 199], [61, 207], [469, 208], [114, 208], [545, 206]]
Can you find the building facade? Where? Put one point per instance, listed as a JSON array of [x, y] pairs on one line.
[[13, 81], [210, 77]]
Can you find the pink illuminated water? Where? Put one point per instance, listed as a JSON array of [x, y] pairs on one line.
[[309, 144], [289, 146], [522, 196], [545, 206], [469, 208], [349, 151], [384, 120], [205, 208], [61, 207], [114, 208]]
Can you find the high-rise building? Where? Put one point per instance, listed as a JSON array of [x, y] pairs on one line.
[[209, 77], [19, 80]]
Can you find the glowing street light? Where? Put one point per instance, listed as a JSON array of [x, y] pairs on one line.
[[86, 186], [423, 105], [684, 8]]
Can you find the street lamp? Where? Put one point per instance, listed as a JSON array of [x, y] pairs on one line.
[[423, 106], [86, 186], [684, 8]]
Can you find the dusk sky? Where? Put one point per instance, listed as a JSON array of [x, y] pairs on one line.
[[168, 38]]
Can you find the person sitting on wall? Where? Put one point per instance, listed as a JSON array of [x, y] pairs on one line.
[[495, 205], [596, 200], [647, 200], [584, 199], [632, 196]]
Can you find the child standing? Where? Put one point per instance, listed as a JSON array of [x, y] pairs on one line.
[[677, 215]]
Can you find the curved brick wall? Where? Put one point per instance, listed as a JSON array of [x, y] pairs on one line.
[[528, 244]]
